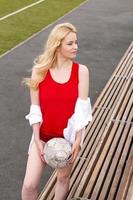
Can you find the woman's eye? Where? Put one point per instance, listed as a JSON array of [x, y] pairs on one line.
[[71, 43]]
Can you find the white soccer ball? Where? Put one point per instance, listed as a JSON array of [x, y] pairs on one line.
[[57, 152]]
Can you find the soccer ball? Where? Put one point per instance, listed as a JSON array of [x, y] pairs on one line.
[[57, 152]]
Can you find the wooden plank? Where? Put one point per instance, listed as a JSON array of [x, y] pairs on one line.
[[115, 181], [130, 190], [118, 155], [85, 155], [126, 177], [110, 101], [85, 178], [93, 178], [48, 187], [120, 169], [110, 163], [100, 116]]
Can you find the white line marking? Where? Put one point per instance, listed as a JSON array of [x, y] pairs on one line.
[[20, 10], [43, 29]]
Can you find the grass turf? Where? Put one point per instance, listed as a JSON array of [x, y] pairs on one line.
[[9, 6], [17, 28]]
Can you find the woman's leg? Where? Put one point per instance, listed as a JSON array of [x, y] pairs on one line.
[[33, 174], [62, 185]]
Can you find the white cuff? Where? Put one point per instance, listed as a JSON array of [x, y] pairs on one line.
[[82, 115], [35, 115]]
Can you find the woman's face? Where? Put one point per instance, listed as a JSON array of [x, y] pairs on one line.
[[69, 47]]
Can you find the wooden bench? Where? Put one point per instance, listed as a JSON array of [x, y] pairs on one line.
[[104, 168]]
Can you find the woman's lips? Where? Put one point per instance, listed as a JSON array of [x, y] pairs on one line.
[[74, 52]]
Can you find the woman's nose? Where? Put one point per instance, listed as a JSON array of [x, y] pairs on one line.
[[75, 46]]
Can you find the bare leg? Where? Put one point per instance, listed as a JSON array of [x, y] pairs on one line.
[[33, 174], [62, 185]]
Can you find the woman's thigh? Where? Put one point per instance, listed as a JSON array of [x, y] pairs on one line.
[[35, 166], [65, 171]]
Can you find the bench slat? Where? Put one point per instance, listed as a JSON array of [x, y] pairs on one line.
[[108, 168], [120, 141], [126, 177], [130, 189], [101, 159], [120, 169]]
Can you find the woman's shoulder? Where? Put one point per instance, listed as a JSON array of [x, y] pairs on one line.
[[35, 69], [83, 70]]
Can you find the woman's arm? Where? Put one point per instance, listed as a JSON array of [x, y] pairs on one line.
[[83, 94], [83, 82], [83, 88], [34, 95], [35, 101]]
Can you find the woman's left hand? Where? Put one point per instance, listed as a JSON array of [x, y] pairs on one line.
[[75, 151]]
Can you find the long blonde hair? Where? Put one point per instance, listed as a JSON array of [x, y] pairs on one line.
[[48, 58]]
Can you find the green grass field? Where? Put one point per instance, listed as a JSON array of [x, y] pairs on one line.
[[19, 27], [8, 6]]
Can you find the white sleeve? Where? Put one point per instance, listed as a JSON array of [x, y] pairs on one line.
[[82, 115], [35, 115]]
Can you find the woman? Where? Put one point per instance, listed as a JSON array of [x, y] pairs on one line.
[[60, 107]]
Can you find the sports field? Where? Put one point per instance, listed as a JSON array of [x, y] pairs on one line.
[[8, 6], [20, 25]]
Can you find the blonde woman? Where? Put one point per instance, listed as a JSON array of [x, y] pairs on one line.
[[60, 107]]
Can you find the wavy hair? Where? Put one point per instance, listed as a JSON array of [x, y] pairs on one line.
[[48, 58]]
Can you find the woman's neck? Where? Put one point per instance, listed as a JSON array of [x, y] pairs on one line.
[[63, 62]]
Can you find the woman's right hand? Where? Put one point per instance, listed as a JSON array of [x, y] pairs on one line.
[[40, 147]]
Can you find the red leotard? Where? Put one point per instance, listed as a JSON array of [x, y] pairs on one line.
[[57, 102]]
